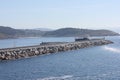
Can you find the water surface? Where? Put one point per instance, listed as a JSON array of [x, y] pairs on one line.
[[93, 63]]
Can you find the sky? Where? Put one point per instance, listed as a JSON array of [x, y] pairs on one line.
[[54, 14]]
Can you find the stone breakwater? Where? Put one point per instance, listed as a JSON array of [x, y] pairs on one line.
[[45, 48]]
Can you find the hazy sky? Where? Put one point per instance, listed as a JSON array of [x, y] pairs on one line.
[[92, 14]]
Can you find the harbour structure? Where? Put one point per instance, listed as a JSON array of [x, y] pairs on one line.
[[48, 48]]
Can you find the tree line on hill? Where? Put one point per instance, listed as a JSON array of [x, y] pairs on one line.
[[8, 32]]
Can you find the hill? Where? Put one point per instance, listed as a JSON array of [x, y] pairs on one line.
[[33, 33], [43, 29], [8, 32], [76, 32]]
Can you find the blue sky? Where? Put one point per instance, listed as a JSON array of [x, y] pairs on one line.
[[92, 14]]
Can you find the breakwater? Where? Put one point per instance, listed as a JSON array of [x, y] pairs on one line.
[[47, 47]]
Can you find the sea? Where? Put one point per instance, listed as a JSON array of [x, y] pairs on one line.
[[92, 63]]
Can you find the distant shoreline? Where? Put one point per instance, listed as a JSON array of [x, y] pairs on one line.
[[8, 32], [50, 37]]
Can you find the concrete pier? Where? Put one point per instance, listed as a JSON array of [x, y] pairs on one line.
[[48, 47]]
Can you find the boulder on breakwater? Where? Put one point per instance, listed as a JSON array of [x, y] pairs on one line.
[[48, 47]]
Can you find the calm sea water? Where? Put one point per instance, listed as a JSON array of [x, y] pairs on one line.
[[6, 43], [93, 63]]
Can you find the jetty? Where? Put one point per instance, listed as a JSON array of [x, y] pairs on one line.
[[48, 47]]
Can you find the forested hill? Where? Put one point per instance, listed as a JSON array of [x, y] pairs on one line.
[[8, 32], [70, 32]]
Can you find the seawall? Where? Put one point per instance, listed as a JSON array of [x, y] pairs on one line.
[[50, 47]]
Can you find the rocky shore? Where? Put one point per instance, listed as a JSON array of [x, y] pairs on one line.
[[48, 47]]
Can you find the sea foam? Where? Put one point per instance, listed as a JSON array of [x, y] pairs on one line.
[[57, 78], [112, 49]]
